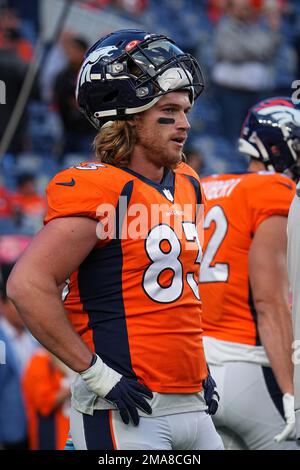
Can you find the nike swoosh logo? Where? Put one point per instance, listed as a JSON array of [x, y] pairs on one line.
[[67, 183], [287, 185]]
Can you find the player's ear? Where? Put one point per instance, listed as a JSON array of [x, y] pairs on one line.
[[133, 120]]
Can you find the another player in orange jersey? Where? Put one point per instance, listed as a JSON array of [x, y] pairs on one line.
[[46, 387], [125, 231], [244, 285]]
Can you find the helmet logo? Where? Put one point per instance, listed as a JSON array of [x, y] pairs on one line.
[[273, 102], [132, 44], [93, 58], [281, 114]]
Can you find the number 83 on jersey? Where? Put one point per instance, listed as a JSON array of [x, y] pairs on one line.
[[163, 260]]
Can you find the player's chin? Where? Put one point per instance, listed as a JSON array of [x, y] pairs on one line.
[[172, 161], [173, 157]]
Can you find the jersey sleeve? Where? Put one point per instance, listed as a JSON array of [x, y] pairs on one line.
[[271, 195], [72, 193]]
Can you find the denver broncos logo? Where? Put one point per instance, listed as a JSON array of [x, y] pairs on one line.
[[281, 114], [93, 58]]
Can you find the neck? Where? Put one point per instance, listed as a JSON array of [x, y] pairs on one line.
[[146, 168], [256, 166]]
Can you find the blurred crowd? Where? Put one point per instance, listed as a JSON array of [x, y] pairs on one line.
[[249, 49], [34, 385]]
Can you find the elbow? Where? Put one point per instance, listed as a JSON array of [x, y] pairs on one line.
[[24, 283], [12, 287], [261, 306], [267, 306], [265, 317], [271, 313], [17, 286]]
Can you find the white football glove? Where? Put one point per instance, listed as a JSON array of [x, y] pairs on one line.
[[100, 378], [289, 414]]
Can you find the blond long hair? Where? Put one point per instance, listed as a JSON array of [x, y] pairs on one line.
[[114, 143]]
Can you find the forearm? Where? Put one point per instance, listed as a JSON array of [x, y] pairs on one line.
[[44, 314], [275, 331]]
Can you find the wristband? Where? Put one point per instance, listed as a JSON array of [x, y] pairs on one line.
[[94, 359], [100, 378]]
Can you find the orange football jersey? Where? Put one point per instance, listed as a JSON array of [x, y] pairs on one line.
[[48, 424], [135, 298], [236, 205]]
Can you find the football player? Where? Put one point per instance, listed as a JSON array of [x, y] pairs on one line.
[[293, 268], [124, 232], [244, 285]]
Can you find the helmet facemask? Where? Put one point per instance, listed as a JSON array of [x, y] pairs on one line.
[[294, 145], [161, 67]]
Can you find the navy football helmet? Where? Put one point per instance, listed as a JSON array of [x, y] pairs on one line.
[[127, 71], [271, 133]]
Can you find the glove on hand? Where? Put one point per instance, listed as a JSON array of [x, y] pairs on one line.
[[289, 414], [211, 394], [126, 394]]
